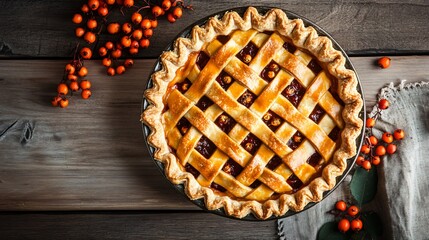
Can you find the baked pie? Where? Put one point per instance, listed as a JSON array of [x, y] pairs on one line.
[[255, 114]]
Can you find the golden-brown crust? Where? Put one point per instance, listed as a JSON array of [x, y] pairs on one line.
[[302, 37]]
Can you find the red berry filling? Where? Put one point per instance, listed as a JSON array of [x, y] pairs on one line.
[[274, 162], [205, 147], [272, 120], [224, 80], [189, 168], [204, 103], [294, 92], [289, 47], [247, 98], [317, 114], [202, 60], [183, 125], [225, 122], [295, 140], [251, 143], [314, 66], [270, 71], [248, 53], [294, 182], [223, 39], [233, 168]]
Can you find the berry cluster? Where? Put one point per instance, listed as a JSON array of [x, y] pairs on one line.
[[373, 149], [131, 36], [349, 217]]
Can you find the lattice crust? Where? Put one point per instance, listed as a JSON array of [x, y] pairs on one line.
[[244, 116]]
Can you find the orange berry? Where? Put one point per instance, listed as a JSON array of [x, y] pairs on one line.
[[154, 23], [384, 62], [370, 122], [74, 86], [55, 101], [391, 148], [144, 43], [171, 18], [86, 93], [103, 10], [353, 210], [344, 225], [72, 77], [373, 140], [341, 205], [126, 28], [120, 69], [356, 225], [359, 160], [135, 44], [136, 18], [62, 89], [91, 23], [110, 2], [147, 33], [145, 24], [89, 37], [70, 69], [128, 3], [133, 50], [128, 63], [85, 84], [107, 62], [64, 103], [84, 8], [113, 28], [157, 11], [109, 45], [126, 41], [79, 32], [380, 150], [387, 137], [366, 165], [177, 12], [102, 51], [83, 71], [365, 149], [119, 46], [86, 53], [116, 53], [383, 104], [77, 18], [399, 134], [166, 4], [93, 4], [375, 160], [111, 71]]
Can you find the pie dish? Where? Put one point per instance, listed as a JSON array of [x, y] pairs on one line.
[[254, 114]]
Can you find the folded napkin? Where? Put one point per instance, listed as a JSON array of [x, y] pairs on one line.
[[403, 181]]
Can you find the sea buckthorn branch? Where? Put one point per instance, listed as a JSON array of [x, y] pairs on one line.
[[129, 36], [372, 150]]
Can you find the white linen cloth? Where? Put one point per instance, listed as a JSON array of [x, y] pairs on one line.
[[402, 199]]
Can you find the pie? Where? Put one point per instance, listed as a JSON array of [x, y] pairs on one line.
[[255, 114]]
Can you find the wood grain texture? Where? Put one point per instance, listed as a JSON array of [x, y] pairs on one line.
[[44, 28], [181, 225], [92, 155]]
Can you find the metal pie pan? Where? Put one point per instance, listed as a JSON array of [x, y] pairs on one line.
[[262, 10]]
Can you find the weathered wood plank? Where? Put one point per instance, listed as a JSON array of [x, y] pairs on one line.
[[92, 155], [44, 29], [126, 225]]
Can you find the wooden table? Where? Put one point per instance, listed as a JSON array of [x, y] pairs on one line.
[[84, 172]]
